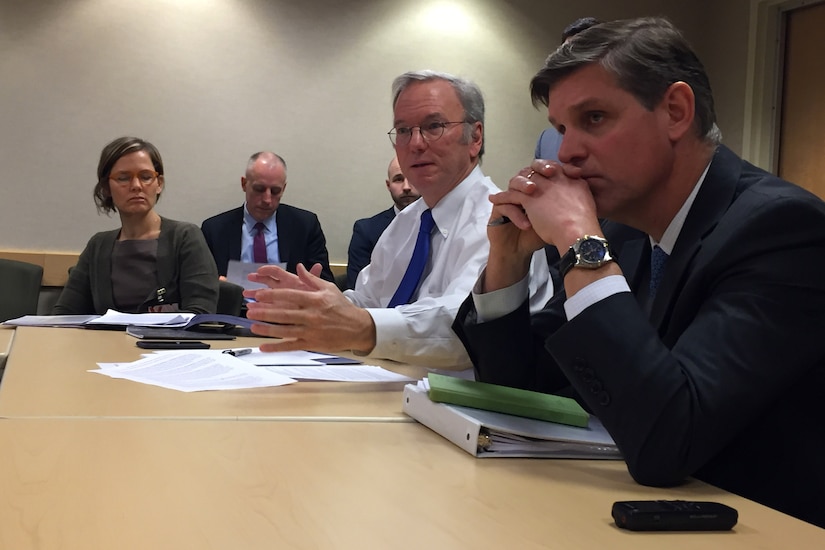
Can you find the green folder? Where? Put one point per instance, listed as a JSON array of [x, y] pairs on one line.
[[490, 397]]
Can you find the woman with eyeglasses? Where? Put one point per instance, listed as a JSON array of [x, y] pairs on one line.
[[150, 264]]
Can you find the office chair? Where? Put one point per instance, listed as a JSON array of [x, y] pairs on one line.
[[19, 288], [230, 298], [341, 281]]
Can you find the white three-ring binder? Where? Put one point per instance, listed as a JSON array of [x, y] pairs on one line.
[[491, 434]]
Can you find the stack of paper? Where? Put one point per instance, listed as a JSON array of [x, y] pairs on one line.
[[194, 370], [200, 370]]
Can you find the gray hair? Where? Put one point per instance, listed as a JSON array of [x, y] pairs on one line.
[[469, 94], [646, 56]]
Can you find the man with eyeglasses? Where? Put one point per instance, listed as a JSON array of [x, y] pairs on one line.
[[263, 230], [428, 258]]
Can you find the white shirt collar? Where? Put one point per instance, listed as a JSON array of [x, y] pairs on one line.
[[249, 222], [672, 232]]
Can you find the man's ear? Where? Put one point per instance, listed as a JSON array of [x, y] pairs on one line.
[[243, 183], [476, 138], [679, 103]]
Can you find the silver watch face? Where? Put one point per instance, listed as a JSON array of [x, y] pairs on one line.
[[592, 251]]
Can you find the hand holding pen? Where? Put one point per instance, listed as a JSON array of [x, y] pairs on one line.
[[521, 184]]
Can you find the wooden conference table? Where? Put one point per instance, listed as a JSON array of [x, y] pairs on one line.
[[46, 376], [309, 479]]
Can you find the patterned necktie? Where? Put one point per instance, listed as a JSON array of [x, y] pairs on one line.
[[259, 244], [658, 259], [417, 263]]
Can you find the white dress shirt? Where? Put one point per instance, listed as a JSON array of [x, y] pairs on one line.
[[248, 232], [420, 332]]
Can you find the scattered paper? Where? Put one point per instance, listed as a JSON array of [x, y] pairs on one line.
[[341, 373], [112, 317], [201, 370], [50, 320], [190, 371], [294, 358]]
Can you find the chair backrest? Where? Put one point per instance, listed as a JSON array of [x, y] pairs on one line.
[[230, 298], [19, 288], [341, 281]]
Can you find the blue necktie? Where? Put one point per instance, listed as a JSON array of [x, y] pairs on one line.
[[658, 258], [417, 263]]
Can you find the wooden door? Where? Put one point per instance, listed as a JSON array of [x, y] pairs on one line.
[[802, 126]]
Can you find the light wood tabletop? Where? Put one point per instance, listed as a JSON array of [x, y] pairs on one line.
[[103, 484], [46, 376], [6, 339]]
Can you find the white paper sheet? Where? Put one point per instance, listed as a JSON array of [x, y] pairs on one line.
[[194, 370], [112, 317], [50, 320], [237, 272], [341, 373], [283, 358]]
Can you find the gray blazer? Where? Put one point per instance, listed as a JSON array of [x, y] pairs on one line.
[[185, 270]]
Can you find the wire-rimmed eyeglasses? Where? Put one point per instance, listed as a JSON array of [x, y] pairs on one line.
[[429, 132], [145, 177]]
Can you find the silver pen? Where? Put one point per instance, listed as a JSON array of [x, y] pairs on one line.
[[238, 352]]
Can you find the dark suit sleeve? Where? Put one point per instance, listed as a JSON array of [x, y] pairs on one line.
[[215, 240], [198, 274], [301, 240], [738, 336], [737, 348], [359, 253], [317, 251], [510, 351]]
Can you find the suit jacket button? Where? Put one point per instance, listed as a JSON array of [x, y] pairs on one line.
[[595, 386], [604, 398]]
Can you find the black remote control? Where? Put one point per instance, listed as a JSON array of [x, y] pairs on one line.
[[673, 515]]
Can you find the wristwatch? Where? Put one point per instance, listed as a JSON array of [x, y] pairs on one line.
[[589, 252]]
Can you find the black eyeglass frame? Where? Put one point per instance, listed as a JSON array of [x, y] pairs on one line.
[[423, 129]]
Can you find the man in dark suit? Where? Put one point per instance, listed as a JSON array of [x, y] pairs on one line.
[[289, 235], [366, 231], [703, 358]]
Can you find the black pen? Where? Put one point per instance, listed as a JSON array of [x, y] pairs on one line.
[[238, 352]]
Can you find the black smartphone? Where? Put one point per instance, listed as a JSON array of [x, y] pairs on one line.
[[171, 344], [674, 515]]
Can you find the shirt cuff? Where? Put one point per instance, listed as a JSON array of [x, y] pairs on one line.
[[498, 303], [389, 328], [594, 292]]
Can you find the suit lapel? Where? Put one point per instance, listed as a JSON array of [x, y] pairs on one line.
[[711, 203], [282, 222], [235, 242]]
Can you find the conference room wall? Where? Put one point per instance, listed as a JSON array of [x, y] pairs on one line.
[[211, 81]]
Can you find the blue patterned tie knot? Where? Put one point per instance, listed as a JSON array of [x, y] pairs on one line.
[[418, 262], [658, 259]]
